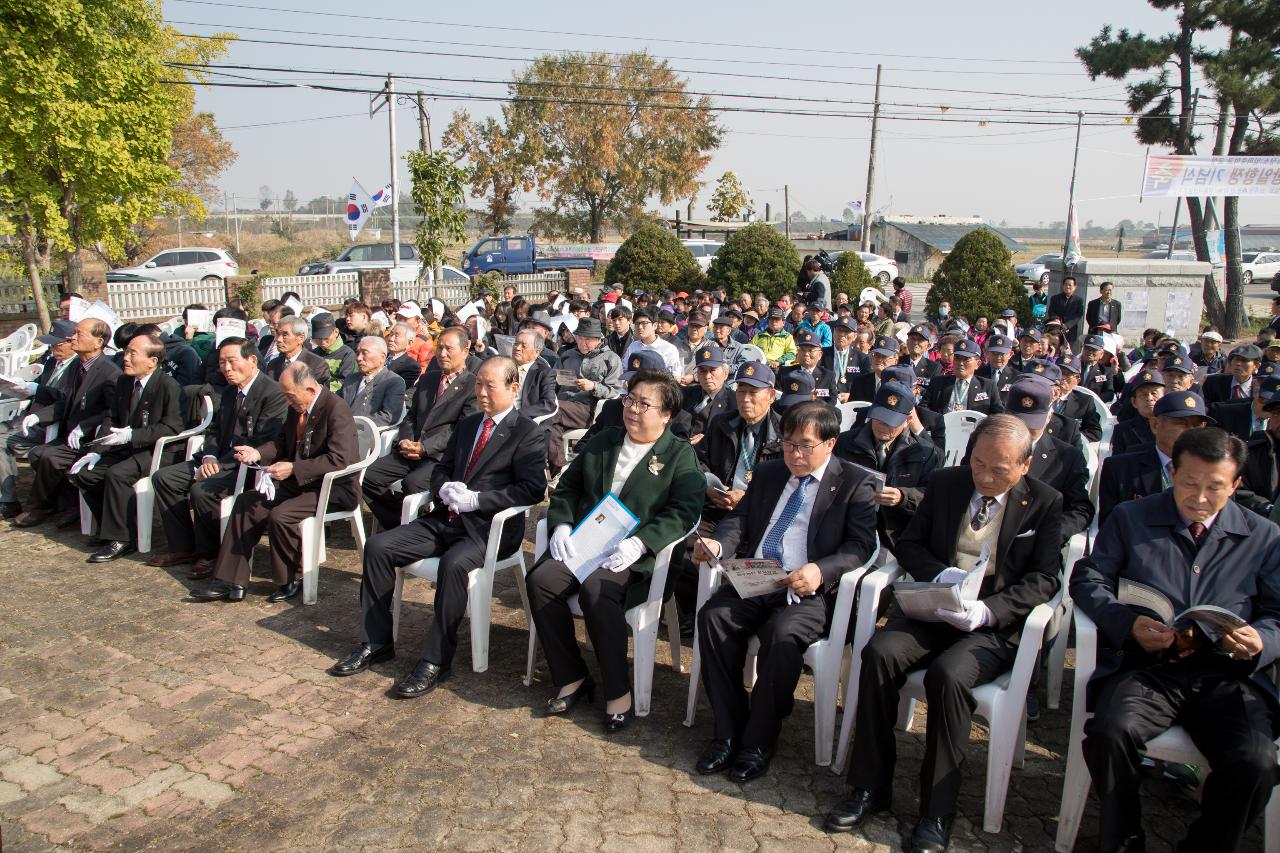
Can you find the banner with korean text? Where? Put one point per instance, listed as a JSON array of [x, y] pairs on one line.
[[1176, 175]]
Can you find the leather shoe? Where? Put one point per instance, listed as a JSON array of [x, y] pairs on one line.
[[217, 590], [10, 510], [32, 518], [111, 551], [614, 723], [161, 561], [361, 659], [201, 570], [853, 812], [717, 756], [564, 704], [932, 835], [286, 592], [424, 678], [70, 518], [751, 763]]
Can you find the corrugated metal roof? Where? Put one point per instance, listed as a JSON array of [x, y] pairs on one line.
[[944, 237]]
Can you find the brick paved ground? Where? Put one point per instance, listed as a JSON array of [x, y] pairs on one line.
[[132, 718]]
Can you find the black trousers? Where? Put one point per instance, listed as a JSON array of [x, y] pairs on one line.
[[603, 600], [1227, 717], [189, 508], [726, 624], [427, 536], [378, 477], [50, 462], [957, 662], [15, 443], [686, 588], [108, 490], [573, 414]]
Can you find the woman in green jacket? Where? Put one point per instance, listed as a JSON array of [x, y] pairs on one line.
[[656, 476]]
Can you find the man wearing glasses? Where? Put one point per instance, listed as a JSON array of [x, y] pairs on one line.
[[647, 338], [815, 514]]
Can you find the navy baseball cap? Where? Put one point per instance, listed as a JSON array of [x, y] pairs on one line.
[[1030, 399], [1182, 404], [797, 387], [885, 345], [1043, 367], [1095, 342], [1269, 393], [709, 355], [844, 321], [1180, 363], [806, 338], [776, 314], [1008, 314], [903, 374], [1148, 377], [755, 374], [645, 359], [722, 319], [1034, 334], [966, 348], [999, 343], [921, 332], [59, 332], [1069, 363], [894, 402]]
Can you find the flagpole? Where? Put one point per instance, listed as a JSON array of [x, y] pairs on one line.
[[1071, 203], [395, 175]]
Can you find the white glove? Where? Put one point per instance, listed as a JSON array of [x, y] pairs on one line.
[[464, 500], [264, 485], [85, 462], [30, 421], [974, 616], [792, 597], [27, 389], [951, 575], [448, 489], [117, 436], [561, 547], [74, 438], [629, 550]]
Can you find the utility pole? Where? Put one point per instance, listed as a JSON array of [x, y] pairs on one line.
[[786, 207], [424, 124], [235, 215], [1071, 202], [390, 94], [871, 168], [1177, 202]]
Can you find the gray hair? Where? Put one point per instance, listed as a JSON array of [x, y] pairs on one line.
[[509, 371], [300, 375], [296, 325], [532, 339], [409, 331], [1006, 428], [378, 343]]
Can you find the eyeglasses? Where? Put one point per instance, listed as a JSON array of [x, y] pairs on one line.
[[802, 449], [630, 401]]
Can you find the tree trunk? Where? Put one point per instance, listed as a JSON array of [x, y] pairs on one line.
[[1231, 237], [31, 260], [596, 213], [73, 278]]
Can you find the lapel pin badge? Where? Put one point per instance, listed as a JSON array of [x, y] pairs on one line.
[[655, 466]]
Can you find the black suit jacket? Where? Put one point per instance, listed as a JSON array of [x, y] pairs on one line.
[[982, 397], [1062, 466], [1095, 305], [538, 392], [406, 368], [1102, 380], [718, 450], [44, 403], [926, 368], [381, 401], [1259, 480], [1001, 378], [725, 401], [1028, 549], [430, 421], [1069, 311], [329, 443], [825, 382], [1064, 429], [317, 364], [856, 363], [511, 471], [158, 413], [863, 387], [87, 406], [1235, 416], [1131, 435], [1077, 408], [908, 468], [257, 422], [841, 522], [1129, 476]]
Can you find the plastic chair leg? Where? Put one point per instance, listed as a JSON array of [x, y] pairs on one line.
[[1075, 790], [906, 712], [480, 602], [396, 595], [145, 500], [311, 529], [672, 616], [1000, 751], [825, 689], [646, 647], [1058, 659], [86, 517]]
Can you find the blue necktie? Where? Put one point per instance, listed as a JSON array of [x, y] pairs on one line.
[[772, 548]]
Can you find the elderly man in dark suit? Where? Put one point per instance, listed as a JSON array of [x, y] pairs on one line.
[[842, 358], [884, 353], [373, 391], [496, 459], [1103, 311], [144, 406], [1135, 432], [1072, 406], [964, 389], [809, 361], [1149, 469], [814, 514], [1236, 383], [444, 396], [999, 367], [27, 430], [77, 414], [711, 394], [189, 494], [291, 345], [1195, 546], [319, 437], [537, 381], [399, 361], [990, 502], [1068, 306], [1260, 477]]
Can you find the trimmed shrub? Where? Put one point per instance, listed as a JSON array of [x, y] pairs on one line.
[[851, 276], [654, 259], [756, 259], [978, 278]]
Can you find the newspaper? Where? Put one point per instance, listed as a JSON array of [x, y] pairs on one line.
[[754, 577]]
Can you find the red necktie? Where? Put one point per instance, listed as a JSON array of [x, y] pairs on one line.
[[475, 456], [444, 383], [1197, 531], [1237, 392], [297, 435]]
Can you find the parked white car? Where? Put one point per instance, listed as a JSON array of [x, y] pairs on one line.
[[703, 251], [1037, 270], [1261, 265], [193, 262]]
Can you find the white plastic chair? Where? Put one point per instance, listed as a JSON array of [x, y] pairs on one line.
[[479, 580], [643, 620], [849, 412], [825, 657], [387, 434], [1173, 745], [958, 427], [312, 529], [542, 419], [1104, 414], [226, 504], [573, 436], [143, 491], [1060, 628]]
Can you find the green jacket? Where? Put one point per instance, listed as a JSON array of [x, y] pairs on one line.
[[201, 342], [667, 503]]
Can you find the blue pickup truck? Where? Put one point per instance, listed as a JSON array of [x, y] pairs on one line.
[[516, 255]]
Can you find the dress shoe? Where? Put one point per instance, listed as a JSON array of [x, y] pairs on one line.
[[361, 659], [614, 723], [32, 518], [10, 510], [111, 551], [564, 704], [217, 590], [932, 835], [70, 518], [422, 680], [853, 812], [286, 592], [751, 763], [161, 561], [716, 756], [201, 570]]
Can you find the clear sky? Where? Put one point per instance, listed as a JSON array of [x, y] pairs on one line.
[[995, 57]]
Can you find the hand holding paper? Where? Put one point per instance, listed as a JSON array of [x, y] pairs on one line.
[[974, 616], [629, 550], [561, 547]]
